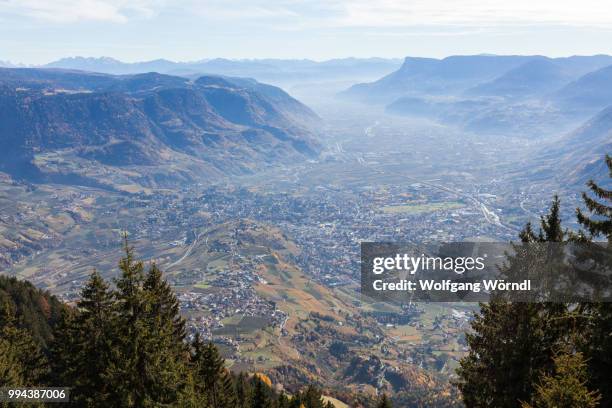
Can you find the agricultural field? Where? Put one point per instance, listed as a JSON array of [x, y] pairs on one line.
[[414, 208]]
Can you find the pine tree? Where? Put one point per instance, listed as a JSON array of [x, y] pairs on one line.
[[282, 401], [600, 222], [12, 371], [167, 350], [82, 346], [128, 374], [63, 350], [22, 362], [508, 349], [384, 402], [598, 348], [211, 376], [566, 387], [491, 374], [228, 391], [511, 343], [261, 394], [242, 390], [93, 343], [147, 366], [551, 229], [311, 397], [164, 304], [597, 341]]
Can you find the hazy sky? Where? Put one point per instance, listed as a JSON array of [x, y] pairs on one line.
[[38, 31]]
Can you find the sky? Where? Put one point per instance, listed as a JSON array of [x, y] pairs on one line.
[[40, 31]]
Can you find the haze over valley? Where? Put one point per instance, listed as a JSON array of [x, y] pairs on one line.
[[251, 184]]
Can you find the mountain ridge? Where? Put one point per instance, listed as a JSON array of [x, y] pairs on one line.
[[219, 125], [582, 151], [590, 91], [285, 72], [430, 75], [476, 75]]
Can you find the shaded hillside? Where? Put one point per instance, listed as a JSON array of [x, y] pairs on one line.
[[211, 126], [587, 93], [582, 151], [540, 75], [531, 78], [34, 310]]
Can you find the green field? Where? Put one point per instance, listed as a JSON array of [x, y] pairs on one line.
[[421, 208], [245, 325]]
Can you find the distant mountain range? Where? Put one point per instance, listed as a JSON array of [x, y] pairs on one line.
[[6, 64], [531, 78], [434, 76], [479, 75], [57, 124], [540, 75], [277, 71], [525, 96], [488, 75]]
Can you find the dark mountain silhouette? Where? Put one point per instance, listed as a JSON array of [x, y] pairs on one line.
[[221, 125]]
